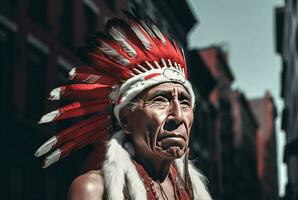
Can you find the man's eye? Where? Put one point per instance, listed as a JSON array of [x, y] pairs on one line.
[[185, 103], [160, 99]]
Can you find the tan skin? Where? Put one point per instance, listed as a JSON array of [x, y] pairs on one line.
[[159, 122]]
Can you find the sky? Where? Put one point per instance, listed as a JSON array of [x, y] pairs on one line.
[[247, 30]]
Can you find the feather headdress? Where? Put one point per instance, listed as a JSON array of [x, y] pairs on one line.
[[130, 58]]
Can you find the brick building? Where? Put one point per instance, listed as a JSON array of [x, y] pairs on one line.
[[222, 140], [287, 46], [265, 112], [225, 133], [203, 138], [38, 41], [245, 126]]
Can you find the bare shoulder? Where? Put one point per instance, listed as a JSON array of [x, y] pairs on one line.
[[87, 186]]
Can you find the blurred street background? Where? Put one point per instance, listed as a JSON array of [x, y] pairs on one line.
[[243, 63]]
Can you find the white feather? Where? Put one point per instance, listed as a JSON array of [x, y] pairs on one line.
[[49, 117], [181, 69], [113, 54], [136, 71], [157, 65], [52, 158], [163, 63], [119, 37], [148, 30], [170, 63], [175, 65], [158, 33], [182, 51], [141, 36], [132, 74], [149, 65], [72, 73], [46, 147], [55, 94], [91, 78], [142, 68]]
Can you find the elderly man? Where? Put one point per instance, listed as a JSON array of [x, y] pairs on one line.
[[143, 75]]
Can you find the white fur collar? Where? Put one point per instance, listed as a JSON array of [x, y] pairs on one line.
[[118, 165]]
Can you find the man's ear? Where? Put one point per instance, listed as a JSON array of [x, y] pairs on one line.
[[123, 116]]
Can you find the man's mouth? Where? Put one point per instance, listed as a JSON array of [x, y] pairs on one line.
[[167, 141], [169, 135]]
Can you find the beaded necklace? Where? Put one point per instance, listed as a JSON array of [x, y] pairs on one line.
[[179, 192]]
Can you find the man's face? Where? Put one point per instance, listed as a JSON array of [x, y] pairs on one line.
[[160, 122]]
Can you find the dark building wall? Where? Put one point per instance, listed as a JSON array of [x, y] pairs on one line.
[[247, 185], [174, 18], [231, 149], [203, 147], [37, 49], [287, 46], [212, 77], [38, 42], [265, 112], [219, 97], [234, 138]]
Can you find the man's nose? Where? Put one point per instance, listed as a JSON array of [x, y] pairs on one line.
[[175, 116]]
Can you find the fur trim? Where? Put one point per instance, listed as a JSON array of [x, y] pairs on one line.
[[198, 180], [118, 165]]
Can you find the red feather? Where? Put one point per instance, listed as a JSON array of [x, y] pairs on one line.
[[82, 141], [76, 144], [107, 66], [82, 108], [90, 75], [123, 27], [76, 109], [94, 123], [81, 92]]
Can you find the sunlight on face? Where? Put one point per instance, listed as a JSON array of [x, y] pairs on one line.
[[161, 121]]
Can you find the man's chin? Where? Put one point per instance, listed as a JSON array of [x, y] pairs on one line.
[[172, 153]]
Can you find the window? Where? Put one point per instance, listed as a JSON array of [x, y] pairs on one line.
[[35, 80], [91, 17], [7, 55], [66, 36], [37, 10]]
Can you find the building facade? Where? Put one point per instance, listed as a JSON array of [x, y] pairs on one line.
[[287, 46], [225, 135], [214, 58], [265, 112], [38, 42], [245, 126], [203, 147]]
